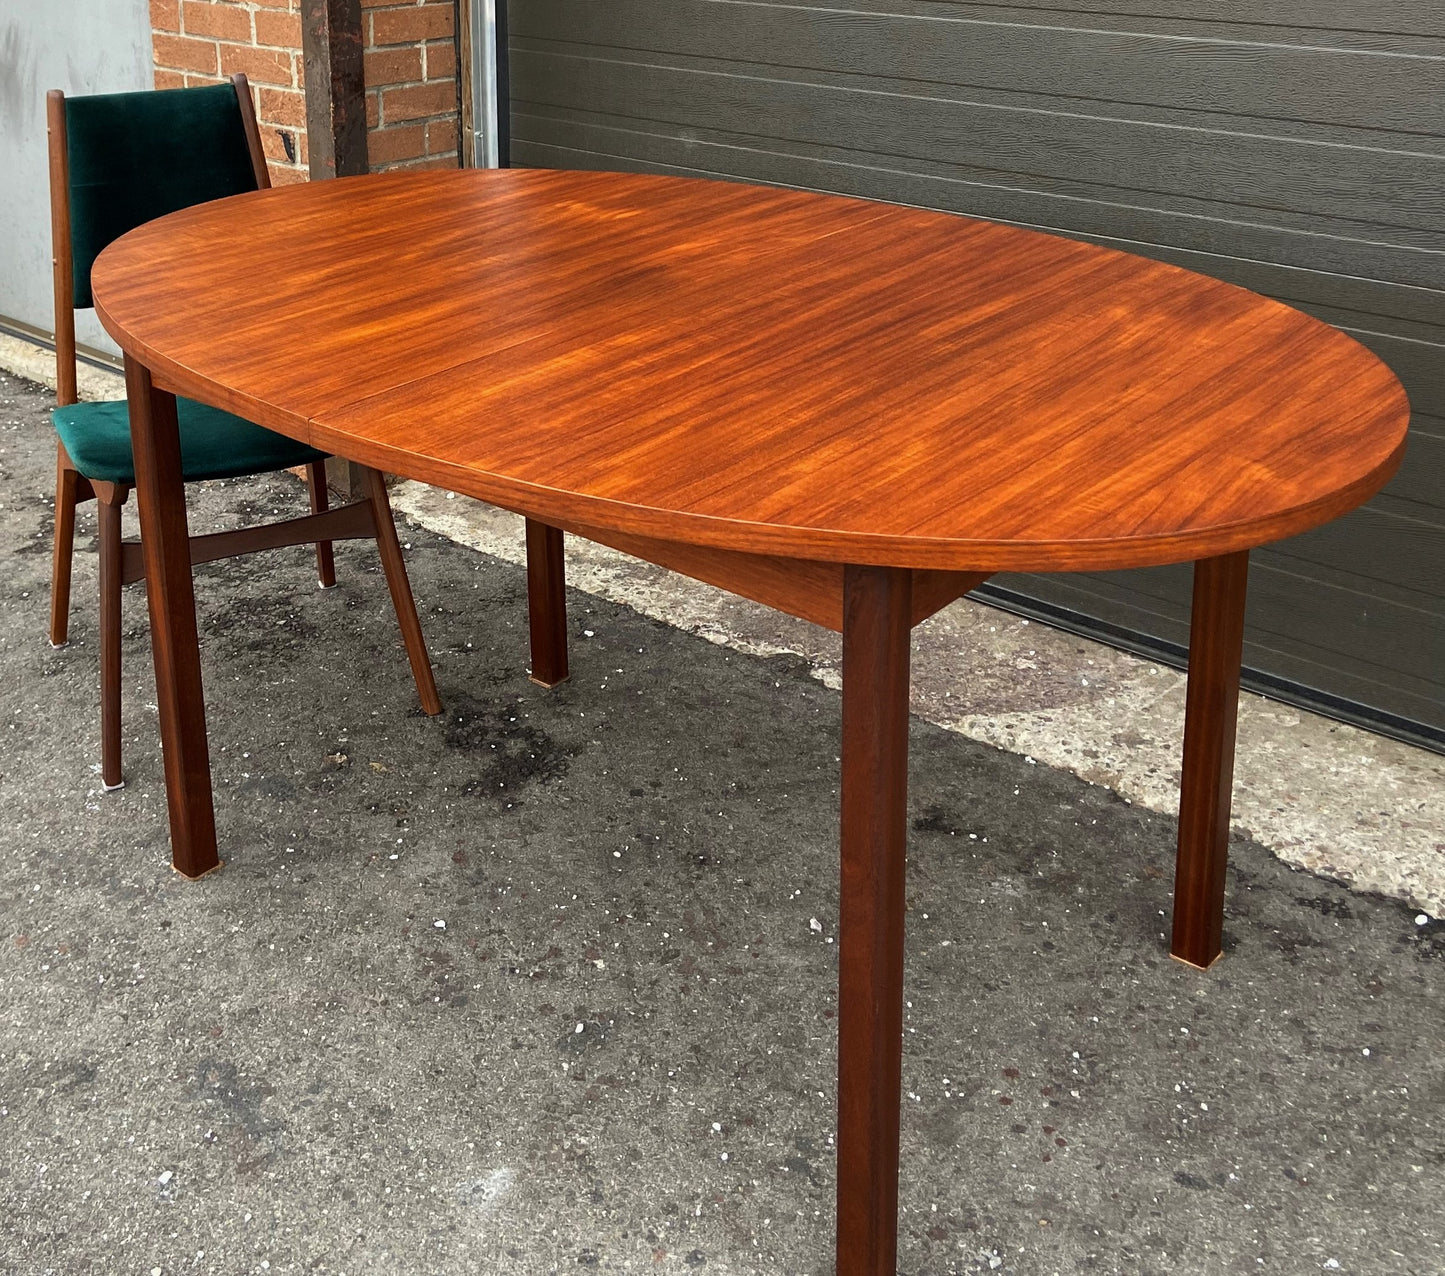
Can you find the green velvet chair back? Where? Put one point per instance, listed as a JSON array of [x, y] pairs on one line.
[[134, 157]]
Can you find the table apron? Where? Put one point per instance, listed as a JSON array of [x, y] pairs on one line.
[[805, 588]]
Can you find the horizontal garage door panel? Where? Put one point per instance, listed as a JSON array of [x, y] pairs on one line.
[[1106, 155], [1369, 651], [1352, 88], [1419, 487], [1402, 17], [1295, 147], [1412, 261]]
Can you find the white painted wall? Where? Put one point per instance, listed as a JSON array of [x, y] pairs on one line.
[[81, 46]]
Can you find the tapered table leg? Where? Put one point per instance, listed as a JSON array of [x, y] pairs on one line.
[[547, 603], [161, 501], [876, 621], [1216, 648]]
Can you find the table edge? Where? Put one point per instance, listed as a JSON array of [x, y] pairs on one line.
[[809, 544]]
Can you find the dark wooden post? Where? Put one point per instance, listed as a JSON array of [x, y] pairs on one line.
[[335, 88], [331, 52]]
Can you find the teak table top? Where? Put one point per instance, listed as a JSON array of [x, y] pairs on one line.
[[761, 370]]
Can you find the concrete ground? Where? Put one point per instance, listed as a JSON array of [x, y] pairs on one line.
[[547, 984]]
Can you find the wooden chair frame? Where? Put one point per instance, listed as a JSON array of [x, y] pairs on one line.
[[121, 561]]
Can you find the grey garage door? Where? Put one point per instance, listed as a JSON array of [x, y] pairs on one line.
[[1296, 147]]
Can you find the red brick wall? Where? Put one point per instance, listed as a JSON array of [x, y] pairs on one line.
[[203, 41], [411, 83], [410, 71]]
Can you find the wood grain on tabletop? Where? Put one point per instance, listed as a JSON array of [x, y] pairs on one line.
[[763, 370]]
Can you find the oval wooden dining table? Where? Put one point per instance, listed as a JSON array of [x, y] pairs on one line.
[[851, 411]]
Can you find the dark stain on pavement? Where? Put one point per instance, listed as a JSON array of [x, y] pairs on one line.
[[508, 753]]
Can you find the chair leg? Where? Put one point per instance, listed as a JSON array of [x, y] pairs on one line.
[[110, 498], [67, 494], [325, 563], [392, 564]]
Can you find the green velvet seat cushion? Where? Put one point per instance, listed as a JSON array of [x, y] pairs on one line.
[[214, 444]]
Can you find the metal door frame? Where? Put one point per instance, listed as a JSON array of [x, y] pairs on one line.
[[482, 27]]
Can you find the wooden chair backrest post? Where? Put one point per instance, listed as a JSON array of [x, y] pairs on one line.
[[253, 132], [61, 266]]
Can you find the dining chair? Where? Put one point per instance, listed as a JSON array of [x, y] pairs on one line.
[[118, 160]]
